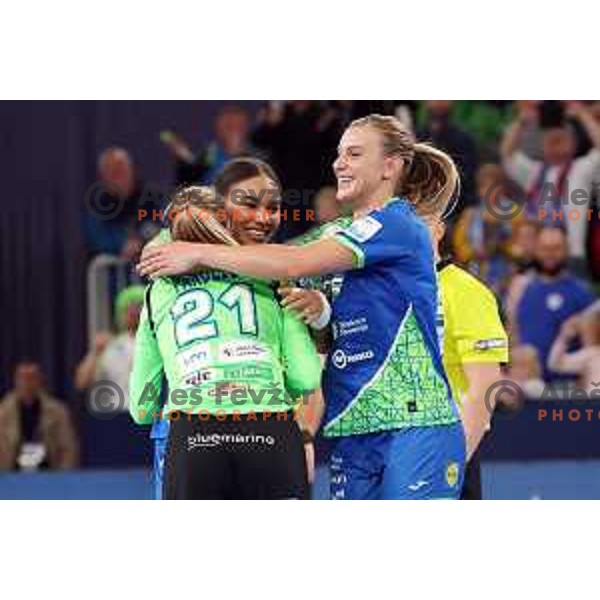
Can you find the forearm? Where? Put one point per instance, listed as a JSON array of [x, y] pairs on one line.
[[263, 262], [476, 421], [312, 411], [274, 261], [591, 126], [511, 139], [557, 354], [479, 404], [86, 371], [591, 310]]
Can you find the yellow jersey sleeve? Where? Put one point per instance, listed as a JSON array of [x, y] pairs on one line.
[[472, 318]]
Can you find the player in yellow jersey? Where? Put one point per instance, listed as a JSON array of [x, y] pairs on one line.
[[474, 344]]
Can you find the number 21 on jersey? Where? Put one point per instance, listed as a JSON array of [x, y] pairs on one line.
[[193, 311]]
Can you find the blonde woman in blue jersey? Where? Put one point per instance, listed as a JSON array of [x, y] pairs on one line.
[[389, 406]]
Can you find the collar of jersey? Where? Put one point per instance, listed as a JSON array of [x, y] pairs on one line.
[[393, 200]]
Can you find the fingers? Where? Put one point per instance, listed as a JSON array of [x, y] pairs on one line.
[[297, 303], [286, 292], [150, 252], [291, 296], [306, 314], [152, 263], [306, 304]]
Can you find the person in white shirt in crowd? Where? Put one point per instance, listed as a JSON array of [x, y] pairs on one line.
[[111, 356], [559, 181]]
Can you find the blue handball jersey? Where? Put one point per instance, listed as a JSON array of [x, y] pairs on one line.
[[385, 370]]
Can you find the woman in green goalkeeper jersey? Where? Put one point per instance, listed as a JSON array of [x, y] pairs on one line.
[[232, 357]]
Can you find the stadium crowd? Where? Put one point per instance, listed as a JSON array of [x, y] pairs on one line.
[[526, 222]]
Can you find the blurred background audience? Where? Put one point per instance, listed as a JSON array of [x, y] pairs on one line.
[[551, 295], [231, 138]]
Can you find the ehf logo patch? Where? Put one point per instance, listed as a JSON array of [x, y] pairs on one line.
[[364, 229], [490, 344], [452, 472]]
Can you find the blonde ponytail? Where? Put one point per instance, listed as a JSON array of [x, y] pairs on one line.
[[429, 178], [431, 181]]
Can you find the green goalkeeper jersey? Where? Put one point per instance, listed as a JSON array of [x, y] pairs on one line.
[[224, 344]]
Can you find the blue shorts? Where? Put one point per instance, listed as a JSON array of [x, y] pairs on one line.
[[416, 463], [159, 435]]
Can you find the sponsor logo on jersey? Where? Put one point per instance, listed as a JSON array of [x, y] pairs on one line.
[[364, 229], [238, 350], [452, 472], [252, 372], [341, 360], [490, 344], [344, 328], [200, 377], [217, 439], [197, 356]]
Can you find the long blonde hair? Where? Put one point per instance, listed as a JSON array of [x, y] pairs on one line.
[[196, 214], [429, 178]]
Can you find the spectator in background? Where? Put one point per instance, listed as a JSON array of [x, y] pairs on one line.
[[483, 241], [585, 362], [327, 208], [122, 235], [299, 136], [523, 252], [458, 143], [35, 429], [231, 139], [554, 179], [523, 249], [531, 139], [111, 356], [550, 296]]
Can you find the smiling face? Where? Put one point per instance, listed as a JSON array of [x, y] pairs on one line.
[[252, 207], [362, 170]]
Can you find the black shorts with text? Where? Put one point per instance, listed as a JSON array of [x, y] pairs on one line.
[[235, 458]]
